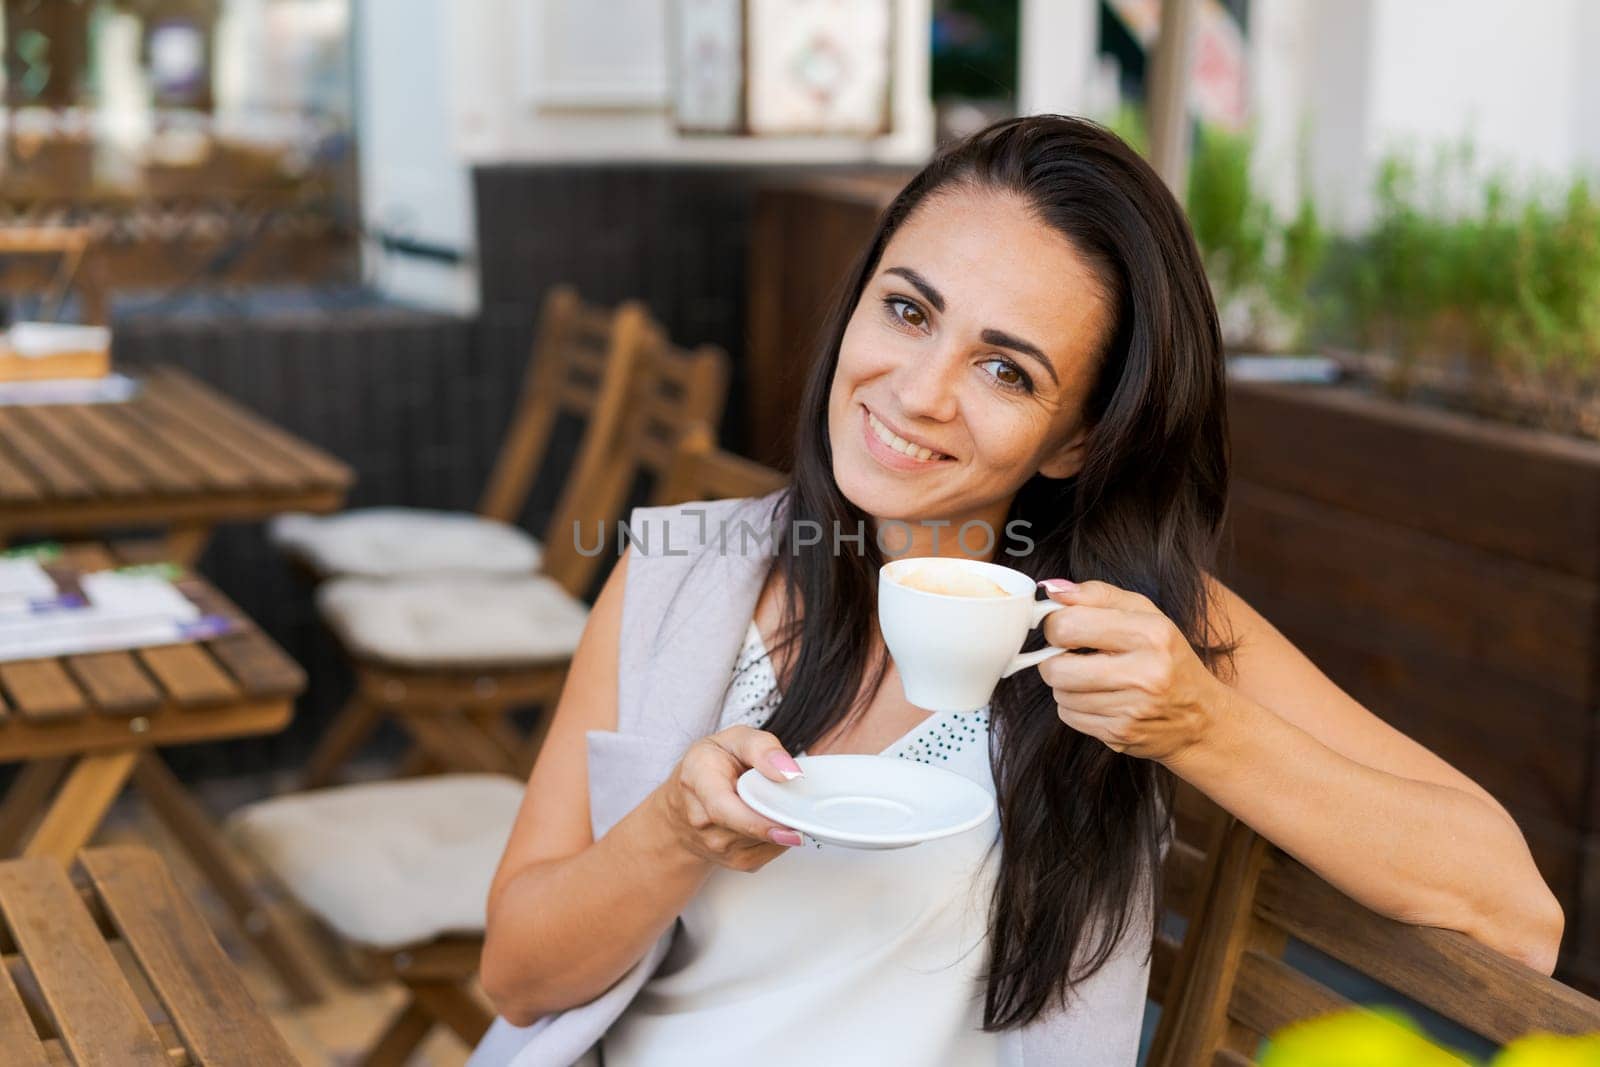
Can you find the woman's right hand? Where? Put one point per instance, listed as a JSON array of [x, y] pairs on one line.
[[703, 807]]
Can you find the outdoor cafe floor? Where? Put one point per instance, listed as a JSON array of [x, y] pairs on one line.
[[331, 1034]]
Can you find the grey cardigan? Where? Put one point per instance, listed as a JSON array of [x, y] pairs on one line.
[[695, 573]]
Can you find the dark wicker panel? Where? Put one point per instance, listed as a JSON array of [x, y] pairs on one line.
[[410, 399], [675, 236]]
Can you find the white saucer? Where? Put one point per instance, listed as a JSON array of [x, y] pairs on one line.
[[869, 801]]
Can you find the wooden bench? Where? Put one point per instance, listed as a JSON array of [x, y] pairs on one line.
[[1231, 986], [117, 967]]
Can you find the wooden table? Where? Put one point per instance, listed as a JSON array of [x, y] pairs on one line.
[[87, 725], [116, 967], [178, 456]]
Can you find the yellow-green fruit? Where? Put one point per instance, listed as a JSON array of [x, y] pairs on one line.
[[1355, 1039], [1547, 1050]]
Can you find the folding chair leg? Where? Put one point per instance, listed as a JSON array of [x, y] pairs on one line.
[[495, 725], [455, 1007], [26, 799], [456, 741], [405, 1032], [356, 722], [199, 837], [80, 805]]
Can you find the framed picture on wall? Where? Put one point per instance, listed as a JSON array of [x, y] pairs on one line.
[[603, 56], [708, 65], [783, 67]]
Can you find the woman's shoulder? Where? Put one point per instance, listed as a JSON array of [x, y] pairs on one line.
[[688, 529]]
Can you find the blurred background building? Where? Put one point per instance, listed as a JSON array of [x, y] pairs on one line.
[[346, 213]]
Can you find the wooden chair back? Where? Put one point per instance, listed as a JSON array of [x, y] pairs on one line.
[[1236, 988], [1197, 823], [566, 374], [672, 389], [702, 471]]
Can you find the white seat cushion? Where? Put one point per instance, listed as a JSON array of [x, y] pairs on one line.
[[387, 864], [460, 621], [392, 542]]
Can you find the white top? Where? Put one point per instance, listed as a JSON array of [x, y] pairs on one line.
[[832, 955]]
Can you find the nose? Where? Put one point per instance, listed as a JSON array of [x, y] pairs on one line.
[[926, 388]]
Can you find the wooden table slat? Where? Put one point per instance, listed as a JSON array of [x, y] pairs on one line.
[[260, 666], [18, 1037], [190, 676], [318, 466], [267, 469], [40, 689], [195, 449], [114, 682], [17, 484], [101, 467], [202, 992], [48, 468], [101, 423], [88, 998]]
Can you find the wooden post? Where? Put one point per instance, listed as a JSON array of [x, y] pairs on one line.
[[1167, 95]]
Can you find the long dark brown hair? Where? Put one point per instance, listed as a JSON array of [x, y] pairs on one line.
[[1081, 826]]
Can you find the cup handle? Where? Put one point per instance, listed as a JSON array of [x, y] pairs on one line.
[[1041, 609]]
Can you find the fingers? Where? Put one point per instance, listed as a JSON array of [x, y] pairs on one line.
[[729, 830], [760, 750], [725, 809], [1098, 595], [1109, 629], [1109, 730], [1086, 672]]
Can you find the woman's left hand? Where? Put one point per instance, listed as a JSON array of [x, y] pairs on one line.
[[1142, 690]]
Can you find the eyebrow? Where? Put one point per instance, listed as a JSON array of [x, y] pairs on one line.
[[998, 338]]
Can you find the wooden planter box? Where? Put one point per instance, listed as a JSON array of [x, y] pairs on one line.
[[1446, 572]]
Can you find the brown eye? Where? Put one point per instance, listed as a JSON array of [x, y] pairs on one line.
[[912, 315], [1008, 374]]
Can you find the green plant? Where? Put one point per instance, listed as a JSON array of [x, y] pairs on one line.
[[1262, 267], [1462, 269]]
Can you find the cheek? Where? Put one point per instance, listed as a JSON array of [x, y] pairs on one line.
[[864, 353], [1006, 435]]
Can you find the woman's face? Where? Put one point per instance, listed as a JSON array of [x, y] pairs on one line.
[[965, 367]]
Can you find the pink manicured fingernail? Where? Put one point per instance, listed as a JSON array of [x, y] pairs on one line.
[[786, 838], [785, 765], [1058, 585]]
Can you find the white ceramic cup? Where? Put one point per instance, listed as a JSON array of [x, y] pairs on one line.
[[951, 651]]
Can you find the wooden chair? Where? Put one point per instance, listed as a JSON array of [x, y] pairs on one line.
[[562, 381], [675, 404], [76, 266], [455, 702], [702, 471], [1197, 826], [1236, 988]]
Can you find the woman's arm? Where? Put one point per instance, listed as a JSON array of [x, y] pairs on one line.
[[568, 915], [1294, 756]]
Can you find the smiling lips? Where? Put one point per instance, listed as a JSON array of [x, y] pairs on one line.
[[891, 440]]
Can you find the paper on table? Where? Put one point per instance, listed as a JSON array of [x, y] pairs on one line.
[[110, 389], [122, 611], [26, 588]]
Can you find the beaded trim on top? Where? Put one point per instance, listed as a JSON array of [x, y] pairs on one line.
[[753, 696]]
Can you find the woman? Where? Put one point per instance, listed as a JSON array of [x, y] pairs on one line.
[[1029, 344]]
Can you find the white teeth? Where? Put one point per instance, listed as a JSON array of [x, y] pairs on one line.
[[896, 442]]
